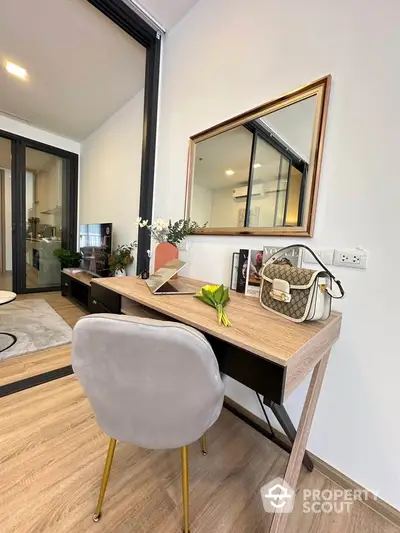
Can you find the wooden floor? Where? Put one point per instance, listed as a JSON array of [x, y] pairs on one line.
[[31, 279], [6, 281], [52, 455]]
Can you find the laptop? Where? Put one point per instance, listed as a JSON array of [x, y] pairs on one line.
[[161, 283]]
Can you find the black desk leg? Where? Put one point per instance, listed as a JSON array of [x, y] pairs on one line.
[[288, 427]]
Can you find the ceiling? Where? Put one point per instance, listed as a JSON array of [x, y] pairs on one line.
[[167, 12], [82, 68], [231, 151], [295, 125]]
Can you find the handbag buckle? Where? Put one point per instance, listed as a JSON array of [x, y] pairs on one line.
[[281, 296], [280, 290]]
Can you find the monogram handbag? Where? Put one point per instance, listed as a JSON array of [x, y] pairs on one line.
[[298, 294]]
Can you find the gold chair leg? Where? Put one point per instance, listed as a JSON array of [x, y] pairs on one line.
[[204, 444], [185, 488], [104, 481]]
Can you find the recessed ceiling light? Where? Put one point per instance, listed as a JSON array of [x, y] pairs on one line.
[[257, 165], [15, 70], [229, 172]]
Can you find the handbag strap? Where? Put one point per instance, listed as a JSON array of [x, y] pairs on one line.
[[282, 251]]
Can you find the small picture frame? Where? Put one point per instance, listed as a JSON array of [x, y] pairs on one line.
[[254, 267], [242, 271], [234, 271]]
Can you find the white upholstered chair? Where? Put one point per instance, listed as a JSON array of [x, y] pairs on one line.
[[155, 384]]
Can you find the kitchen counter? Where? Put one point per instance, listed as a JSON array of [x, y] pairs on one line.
[[39, 256]]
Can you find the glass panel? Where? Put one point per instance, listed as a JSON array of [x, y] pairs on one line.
[[44, 196], [268, 191], [294, 197], [5, 216], [221, 175], [280, 198]]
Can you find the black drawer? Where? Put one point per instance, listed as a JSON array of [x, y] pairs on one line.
[[96, 307], [65, 284], [106, 300]]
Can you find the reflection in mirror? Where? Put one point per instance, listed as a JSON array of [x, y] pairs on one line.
[[262, 172], [222, 165], [282, 156]]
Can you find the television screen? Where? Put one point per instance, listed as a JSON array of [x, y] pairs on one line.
[[95, 245]]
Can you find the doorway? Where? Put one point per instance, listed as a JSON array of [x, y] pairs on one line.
[[38, 198]]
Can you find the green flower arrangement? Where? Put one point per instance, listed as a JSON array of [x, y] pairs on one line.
[[216, 296]]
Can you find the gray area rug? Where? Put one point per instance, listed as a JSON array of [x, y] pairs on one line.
[[35, 324]]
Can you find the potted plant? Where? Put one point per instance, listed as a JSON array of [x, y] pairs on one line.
[[168, 235], [121, 258], [68, 258]]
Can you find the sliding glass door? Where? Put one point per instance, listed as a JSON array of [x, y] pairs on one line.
[[44, 212], [5, 216], [44, 184]]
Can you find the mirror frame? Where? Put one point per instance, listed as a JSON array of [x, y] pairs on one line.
[[319, 88]]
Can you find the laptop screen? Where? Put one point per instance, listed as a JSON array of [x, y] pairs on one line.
[[164, 274]]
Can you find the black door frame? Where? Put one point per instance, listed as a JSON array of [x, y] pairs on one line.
[[18, 196], [147, 36]]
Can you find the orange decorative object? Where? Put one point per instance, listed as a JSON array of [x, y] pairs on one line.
[[165, 251]]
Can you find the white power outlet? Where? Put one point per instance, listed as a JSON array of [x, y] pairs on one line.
[[350, 258]]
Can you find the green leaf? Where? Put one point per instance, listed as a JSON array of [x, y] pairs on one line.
[[226, 297], [209, 297], [200, 297], [219, 293], [207, 293]]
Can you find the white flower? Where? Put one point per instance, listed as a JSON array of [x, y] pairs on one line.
[[140, 223], [160, 225]]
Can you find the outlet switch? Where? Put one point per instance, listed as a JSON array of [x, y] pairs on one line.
[[350, 258]]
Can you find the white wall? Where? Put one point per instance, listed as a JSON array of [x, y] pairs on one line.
[[225, 209], [201, 204], [111, 160], [355, 428]]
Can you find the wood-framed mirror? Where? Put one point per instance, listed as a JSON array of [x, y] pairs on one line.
[[258, 173]]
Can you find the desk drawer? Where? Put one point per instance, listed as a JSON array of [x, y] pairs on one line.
[[106, 300], [96, 306], [65, 284], [263, 376]]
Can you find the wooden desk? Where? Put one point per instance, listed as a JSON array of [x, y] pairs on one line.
[[267, 353]]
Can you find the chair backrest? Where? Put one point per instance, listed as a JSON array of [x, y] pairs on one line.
[[155, 384]]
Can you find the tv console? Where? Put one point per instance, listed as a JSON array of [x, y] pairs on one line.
[[76, 285]]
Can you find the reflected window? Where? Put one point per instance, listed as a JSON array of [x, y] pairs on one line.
[[254, 175]]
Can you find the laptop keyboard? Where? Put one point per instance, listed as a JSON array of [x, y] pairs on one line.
[[167, 287]]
